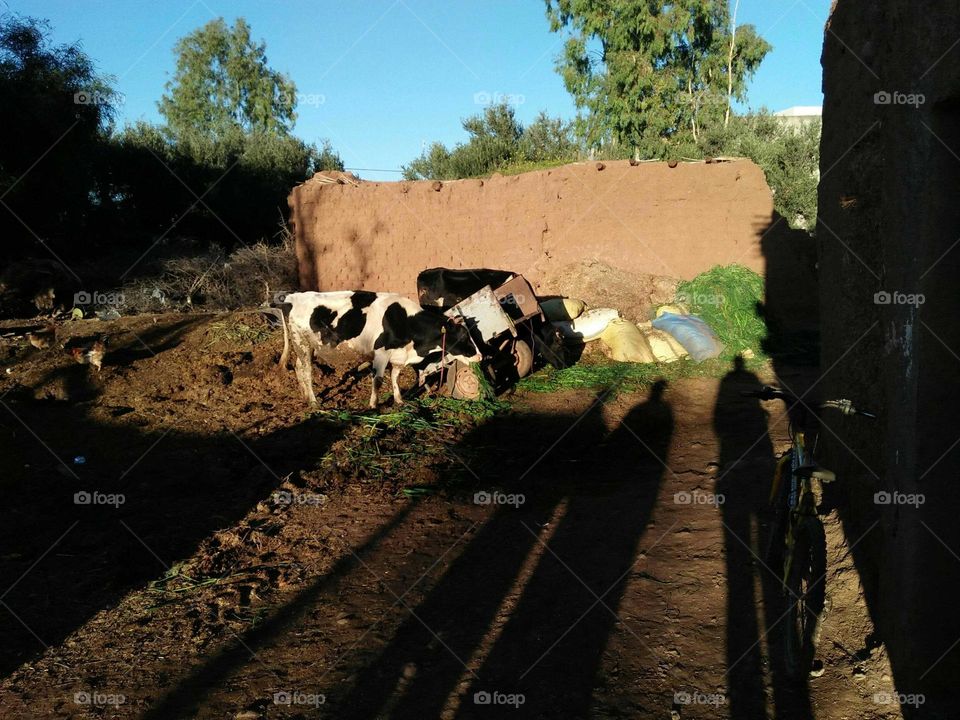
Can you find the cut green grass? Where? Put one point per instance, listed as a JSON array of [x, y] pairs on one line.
[[728, 299], [620, 377], [237, 332], [425, 413]]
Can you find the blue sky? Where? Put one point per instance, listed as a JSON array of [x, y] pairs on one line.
[[382, 78]]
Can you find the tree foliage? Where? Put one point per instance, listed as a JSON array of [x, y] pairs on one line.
[[496, 139], [789, 156], [645, 74], [242, 180], [72, 185], [53, 112], [223, 82]]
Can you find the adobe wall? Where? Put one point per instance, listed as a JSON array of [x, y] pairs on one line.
[[890, 220], [648, 218]]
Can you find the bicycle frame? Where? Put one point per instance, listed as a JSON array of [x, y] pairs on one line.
[[799, 526], [802, 495]]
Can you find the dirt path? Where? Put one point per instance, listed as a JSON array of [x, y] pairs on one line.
[[262, 557]]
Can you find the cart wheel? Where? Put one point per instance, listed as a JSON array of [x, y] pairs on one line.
[[466, 385], [522, 358]]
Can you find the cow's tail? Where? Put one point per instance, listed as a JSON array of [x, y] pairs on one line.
[[280, 312]]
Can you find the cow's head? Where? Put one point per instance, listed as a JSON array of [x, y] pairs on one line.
[[458, 344]]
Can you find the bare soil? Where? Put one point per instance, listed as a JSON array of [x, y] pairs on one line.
[[344, 561], [635, 295]]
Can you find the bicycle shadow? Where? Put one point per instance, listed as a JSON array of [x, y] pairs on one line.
[[747, 465]]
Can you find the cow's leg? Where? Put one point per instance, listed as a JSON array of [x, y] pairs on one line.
[[394, 376], [303, 364], [380, 360]]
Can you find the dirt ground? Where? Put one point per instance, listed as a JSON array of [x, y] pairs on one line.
[[566, 557]]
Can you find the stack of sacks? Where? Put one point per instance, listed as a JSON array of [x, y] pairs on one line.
[[574, 321], [690, 331], [673, 335], [663, 345], [626, 341]]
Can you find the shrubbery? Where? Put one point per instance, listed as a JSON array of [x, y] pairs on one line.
[[228, 190], [74, 187], [498, 141], [789, 156]]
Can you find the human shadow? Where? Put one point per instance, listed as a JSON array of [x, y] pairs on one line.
[[747, 465], [591, 493]]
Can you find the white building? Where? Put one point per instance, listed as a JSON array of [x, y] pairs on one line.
[[800, 115]]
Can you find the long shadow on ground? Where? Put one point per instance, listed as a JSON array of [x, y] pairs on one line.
[[61, 561], [527, 606]]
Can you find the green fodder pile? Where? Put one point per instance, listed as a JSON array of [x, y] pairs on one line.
[[612, 378], [728, 299]]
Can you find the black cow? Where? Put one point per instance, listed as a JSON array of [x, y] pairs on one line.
[[444, 288]]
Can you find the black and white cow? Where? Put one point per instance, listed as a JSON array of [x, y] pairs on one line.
[[445, 287], [390, 328]]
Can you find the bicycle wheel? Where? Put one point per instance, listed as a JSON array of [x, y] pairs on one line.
[[806, 593]]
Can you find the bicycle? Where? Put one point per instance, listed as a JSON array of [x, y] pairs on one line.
[[797, 522]]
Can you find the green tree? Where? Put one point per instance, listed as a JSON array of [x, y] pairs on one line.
[[223, 81], [650, 74], [547, 138], [496, 139], [54, 111], [789, 157]]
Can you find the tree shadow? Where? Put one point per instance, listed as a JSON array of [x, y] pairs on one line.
[[66, 556]]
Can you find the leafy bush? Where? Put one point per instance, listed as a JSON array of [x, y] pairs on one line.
[[228, 190], [53, 112], [789, 156], [497, 141]]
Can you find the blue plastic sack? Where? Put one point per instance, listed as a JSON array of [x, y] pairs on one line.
[[693, 333]]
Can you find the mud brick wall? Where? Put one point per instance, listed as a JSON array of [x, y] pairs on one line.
[[648, 218], [890, 220]]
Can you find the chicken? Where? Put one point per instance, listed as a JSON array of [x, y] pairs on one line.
[[92, 355], [42, 339]]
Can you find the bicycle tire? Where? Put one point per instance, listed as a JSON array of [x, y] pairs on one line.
[[806, 595]]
